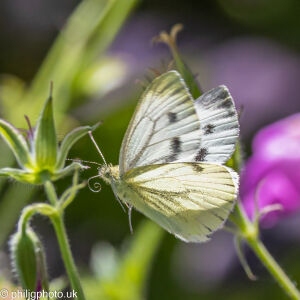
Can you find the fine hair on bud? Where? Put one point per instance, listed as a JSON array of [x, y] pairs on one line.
[[28, 259]]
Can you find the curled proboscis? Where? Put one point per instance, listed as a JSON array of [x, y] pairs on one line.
[[95, 186]]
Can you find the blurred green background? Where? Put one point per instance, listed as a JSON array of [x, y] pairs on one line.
[[101, 48]]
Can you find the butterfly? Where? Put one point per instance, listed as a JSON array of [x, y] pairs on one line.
[[170, 164]]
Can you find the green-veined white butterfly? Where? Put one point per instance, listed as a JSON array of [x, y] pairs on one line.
[[170, 166]]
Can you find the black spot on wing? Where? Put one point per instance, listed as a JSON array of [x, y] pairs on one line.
[[208, 228], [172, 117], [176, 145], [197, 168], [219, 217], [223, 94], [231, 113], [208, 129], [176, 92], [175, 149], [201, 154], [169, 84], [227, 103], [171, 157]]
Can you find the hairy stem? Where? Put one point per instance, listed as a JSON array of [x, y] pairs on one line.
[[61, 234], [66, 253], [30, 210], [250, 233], [276, 271]]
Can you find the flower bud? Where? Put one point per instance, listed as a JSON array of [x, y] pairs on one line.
[[170, 40], [40, 159], [28, 259]]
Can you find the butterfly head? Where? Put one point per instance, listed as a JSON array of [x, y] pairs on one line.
[[109, 173]]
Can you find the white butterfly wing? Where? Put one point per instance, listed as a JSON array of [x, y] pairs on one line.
[[165, 126], [168, 126], [219, 125], [190, 200]]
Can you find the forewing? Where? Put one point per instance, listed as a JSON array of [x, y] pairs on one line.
[[165, 126], [219, 126], [190, 200]]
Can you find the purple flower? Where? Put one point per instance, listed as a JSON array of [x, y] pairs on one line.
[[272, 174]]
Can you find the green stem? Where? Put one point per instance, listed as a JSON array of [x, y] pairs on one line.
[[30, 210], [269, 262], [250, 233], [24, 219], [66, 253], [69, 195], [51, 193], [61, 234]]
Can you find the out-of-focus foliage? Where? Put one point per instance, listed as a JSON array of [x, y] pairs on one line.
[[277, 18], [86, 36], [124, 275]]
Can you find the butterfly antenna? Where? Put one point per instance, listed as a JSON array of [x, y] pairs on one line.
[[98, 149], [84, 161], [129, 218]]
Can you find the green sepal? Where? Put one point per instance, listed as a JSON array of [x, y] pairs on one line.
[[16, 142], [242, 258], [19, 175], [45, 162], [42, 265], [69, 141], [27, 177], [236, 161], [45, 140], [170, 40], [67, 171], [23, 250]]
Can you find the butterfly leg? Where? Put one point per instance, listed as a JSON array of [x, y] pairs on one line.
[[129, 218], [120, 202]]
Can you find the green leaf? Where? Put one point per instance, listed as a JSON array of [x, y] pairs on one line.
[[88, 33], [105, 261], [130, 281], [16, 142], [12, 91], [45, 140], [114, 15], [124, 275], [64, 58], [68, 142]]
